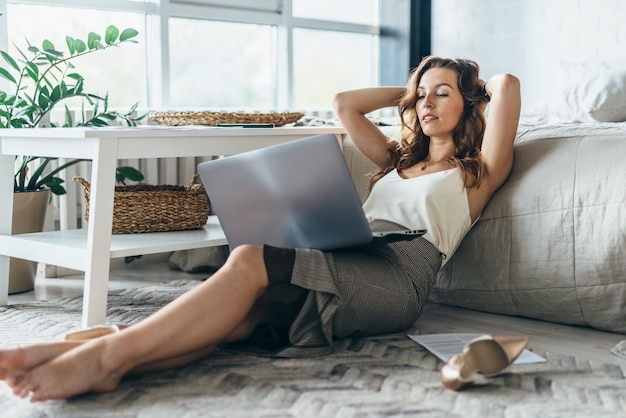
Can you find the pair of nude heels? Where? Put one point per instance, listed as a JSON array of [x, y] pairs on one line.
[[93, 332], [487, 355]]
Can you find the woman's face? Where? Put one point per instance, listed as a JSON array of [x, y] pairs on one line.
[[439, 103]]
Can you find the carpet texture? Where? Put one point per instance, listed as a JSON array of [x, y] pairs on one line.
[[379, 376]]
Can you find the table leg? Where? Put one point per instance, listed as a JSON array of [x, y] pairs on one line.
[[67, 202], [99, 233], [7, 165]]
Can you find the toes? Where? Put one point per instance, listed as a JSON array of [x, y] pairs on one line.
[[23, 388], [12, 381], [39, 396]]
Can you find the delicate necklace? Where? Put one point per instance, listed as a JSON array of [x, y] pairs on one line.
[[428, 163]]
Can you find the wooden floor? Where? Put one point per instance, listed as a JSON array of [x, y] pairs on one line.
[[584, 343]]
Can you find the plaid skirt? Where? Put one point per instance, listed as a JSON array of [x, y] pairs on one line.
[[375, 289]]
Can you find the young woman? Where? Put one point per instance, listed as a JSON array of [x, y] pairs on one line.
[[439, 176]]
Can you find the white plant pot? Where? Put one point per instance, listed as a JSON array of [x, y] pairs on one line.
[[29, 213]]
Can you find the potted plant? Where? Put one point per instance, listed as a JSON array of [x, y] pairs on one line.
[[40, 80]]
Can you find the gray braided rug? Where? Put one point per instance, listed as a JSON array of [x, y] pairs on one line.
[[382, 376]]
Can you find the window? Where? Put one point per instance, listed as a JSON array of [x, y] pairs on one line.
[[229, 64], [217, 54], [326, 62]]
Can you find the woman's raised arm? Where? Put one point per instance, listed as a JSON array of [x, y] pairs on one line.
[[352, 106], [502, 122]]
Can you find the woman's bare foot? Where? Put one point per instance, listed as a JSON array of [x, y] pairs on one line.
[[16, 361], [90, 367]]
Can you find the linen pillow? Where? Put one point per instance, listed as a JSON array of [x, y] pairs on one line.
[[587, 92], [598, 97]]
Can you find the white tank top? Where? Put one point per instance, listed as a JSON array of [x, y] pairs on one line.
[[436, 202]]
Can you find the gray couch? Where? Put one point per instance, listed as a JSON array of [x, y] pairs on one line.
[[551, 244]]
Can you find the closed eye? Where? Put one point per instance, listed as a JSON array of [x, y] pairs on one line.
[[422, 96]]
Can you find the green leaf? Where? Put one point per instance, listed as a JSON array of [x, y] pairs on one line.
[[93, 39], [108, 116], [56, 95], [111, 35], [47, 45], [128, 34], [94, 97], [96, 108], [71, 44], [130, 258], [44, 102], [9, 100], [19, 102], [19, 123], [98, 122], [75, 76], [36, 175], [52, 54], [69, 122], [5, 74], [48, 48], [80, 46], [9, 60], [130, 173], [54, 184], [46, 82], [32, 70], [78, 87]]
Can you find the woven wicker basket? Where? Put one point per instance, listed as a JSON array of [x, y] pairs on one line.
[[213, 118], [144, 208]]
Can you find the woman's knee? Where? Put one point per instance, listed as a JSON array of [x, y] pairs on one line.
[[247, 261]]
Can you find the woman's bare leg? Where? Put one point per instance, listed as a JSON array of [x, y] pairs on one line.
[[190, 326], [243, 331], [14, 362]]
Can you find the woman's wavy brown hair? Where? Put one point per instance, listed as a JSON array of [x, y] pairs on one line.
[[468, 135]]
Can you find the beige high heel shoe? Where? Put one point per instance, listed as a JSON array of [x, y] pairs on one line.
[[93, 332], [487, 355]]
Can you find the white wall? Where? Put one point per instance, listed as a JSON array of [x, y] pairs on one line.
[[529, 37]]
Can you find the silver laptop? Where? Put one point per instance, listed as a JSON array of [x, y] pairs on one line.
[[294, 195]]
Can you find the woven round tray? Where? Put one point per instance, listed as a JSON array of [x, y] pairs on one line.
[[213, 118], [145, 208]]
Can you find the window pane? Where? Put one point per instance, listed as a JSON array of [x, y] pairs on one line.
[[328, 62], [120, 72], [219, 64], [354, 11]]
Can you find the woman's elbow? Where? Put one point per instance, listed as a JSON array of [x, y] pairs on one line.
[[508, 83], [340, 102]]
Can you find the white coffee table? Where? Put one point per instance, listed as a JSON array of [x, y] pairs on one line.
[[91, 249]]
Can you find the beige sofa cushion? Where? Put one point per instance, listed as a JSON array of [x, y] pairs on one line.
[[551, 244]]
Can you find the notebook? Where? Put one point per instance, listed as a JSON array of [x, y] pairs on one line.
[[294, 195]]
